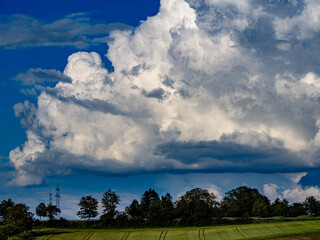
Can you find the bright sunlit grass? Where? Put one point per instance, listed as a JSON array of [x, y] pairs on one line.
[[249, 231]]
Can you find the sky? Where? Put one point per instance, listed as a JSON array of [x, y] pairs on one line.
[[170, 95]]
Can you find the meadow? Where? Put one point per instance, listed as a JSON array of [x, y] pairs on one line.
[[248, 231]]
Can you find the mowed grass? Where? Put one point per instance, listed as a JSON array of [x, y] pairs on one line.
[[249, 231]]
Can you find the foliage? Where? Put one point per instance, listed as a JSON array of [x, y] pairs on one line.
[[9, 230], [135, 213], [297, 209], [154, 217], [239, 202], [147, 198], [121, 220], [110, 200], [88, 208], [167, 210], [196, 207], [52, 211], [41, 210], [18, 219], [161, 212], [260, 208], [280, 208], [5, 205], [312, 205]]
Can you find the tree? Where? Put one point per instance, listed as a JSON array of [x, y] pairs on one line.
[[5, 205], [147, 198], [52, 211], [312, 205], [135, 213], [16, 218], [121, 219], [161, 212], [155, 217], [260, 208], [239, 202], [196, 207], [280, 207], [110, 200], [19, 216], [88, 208], [41, 210], [167, 209], [297, 209]]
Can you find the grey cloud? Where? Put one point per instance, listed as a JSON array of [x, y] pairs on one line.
[[136, 70], [283, 8], [209, 157], [29, 91], [73, 30], [168, 82], [220, 156], [26, 112], [38, 75], [95, 105], [158, 93], [59, 162]]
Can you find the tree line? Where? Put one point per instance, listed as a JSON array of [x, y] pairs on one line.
[[197, 207]]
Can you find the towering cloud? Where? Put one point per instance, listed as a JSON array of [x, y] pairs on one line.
[[203, 86]]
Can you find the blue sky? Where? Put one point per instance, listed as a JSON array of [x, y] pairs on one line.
[[170, 95]]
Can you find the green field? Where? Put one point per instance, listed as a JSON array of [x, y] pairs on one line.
[[249, 231]]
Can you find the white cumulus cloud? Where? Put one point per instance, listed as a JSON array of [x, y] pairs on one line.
[[191, 90], [270, 191], [300, 194]]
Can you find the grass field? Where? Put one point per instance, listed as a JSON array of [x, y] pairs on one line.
[[249, 231]]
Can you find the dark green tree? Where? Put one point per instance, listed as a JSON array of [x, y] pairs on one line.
[[167, 209], [312, 205], [147, 198], [122, 220], [110, 200], [5, 205], [297, 209], [196, 207], [88, 208], [51, 212], [161, 212], [280, 208], [155, 216], [239, 202], [135, 213], [41, 210], [19, 216], [260, 208]]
